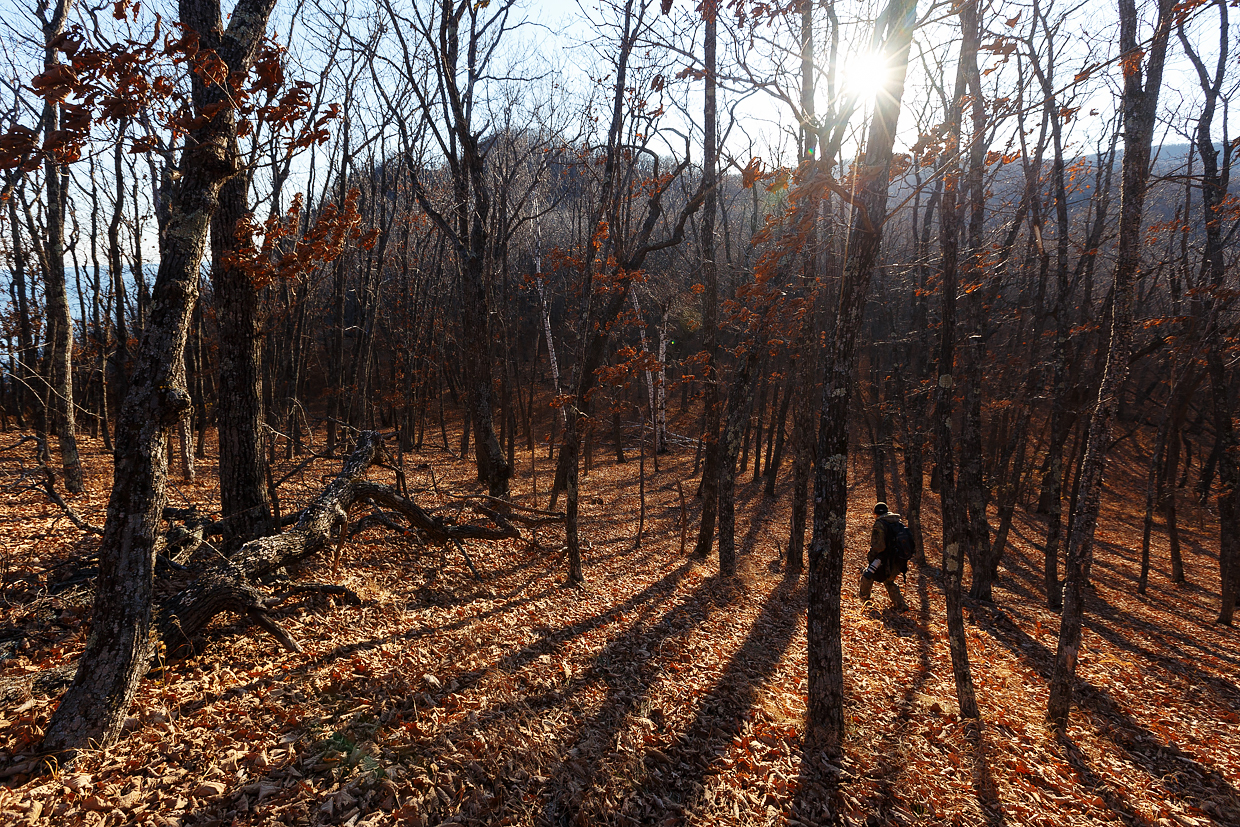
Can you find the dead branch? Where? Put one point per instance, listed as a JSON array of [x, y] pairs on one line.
[[468, 561], [36, 685], [378, 518], [48, 484], [294, 589], [6, 449], [301, 466], [436, 528], [232, 585], [559, 515], [229, 586]]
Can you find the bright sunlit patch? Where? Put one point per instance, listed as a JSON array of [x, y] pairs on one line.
[[864, 75]]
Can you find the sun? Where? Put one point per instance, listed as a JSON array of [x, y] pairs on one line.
[[865, 75]]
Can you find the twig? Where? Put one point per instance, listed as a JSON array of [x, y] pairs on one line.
[[19, 442], [262, 619], [468, 562], [377, 517], [49, 486], [301, 466], [348, 594], [525, 508]]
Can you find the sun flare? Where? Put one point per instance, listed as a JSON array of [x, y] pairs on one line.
[[865, 75]]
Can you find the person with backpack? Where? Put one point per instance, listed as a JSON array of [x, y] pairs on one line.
[[890, 552]]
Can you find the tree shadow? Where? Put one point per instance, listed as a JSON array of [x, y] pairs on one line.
[[630, 667], [985, 788], [549, 639], [984, 785], [677, 774], [1228, 694], [885, 799], [452, 685], [760, 509], [1090, 779], [1165, 762]]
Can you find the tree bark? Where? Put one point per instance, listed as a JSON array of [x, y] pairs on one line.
[[739, 406], [774, 459], [1214, 187], [244, 504], [825, 725], [93, 709], [60, 323], [1139, 103], [709, 488], [955, 530]]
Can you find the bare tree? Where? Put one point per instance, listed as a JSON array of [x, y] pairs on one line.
[[60, 373], [1142, 69], [1215, 178], [447, 53], [93, 709], [893, 34], [955, 516]]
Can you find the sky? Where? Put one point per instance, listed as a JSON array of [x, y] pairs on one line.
[[571, 40]]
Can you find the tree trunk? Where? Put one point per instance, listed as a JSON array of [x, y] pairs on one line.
[[1155, 478], [754, 425], [825, 718], [116, 269], [878, 460], [60, 323], [1229, 479], [25, 322], [955, 530], [1053, 483], [1140, 106], [1214, 187], [914, 468], [739, 406], [240, 420], [773, 460], [1168, 505], [710, 301], [660, 436], [802, 379], [93, 709]]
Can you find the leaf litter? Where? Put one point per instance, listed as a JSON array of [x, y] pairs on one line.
[[660, 694]]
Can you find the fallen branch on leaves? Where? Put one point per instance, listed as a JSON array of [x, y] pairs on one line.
[[233, 585], [14, 690], [45, 481]]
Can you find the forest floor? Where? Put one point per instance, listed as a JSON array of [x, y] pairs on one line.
[[660, 694]]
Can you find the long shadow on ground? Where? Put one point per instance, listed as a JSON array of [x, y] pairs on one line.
[[885, 800], [676, 776], [1181, 775], [629, 666]]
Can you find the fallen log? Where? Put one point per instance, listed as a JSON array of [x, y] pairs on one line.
[[233, 585], [230, 585]]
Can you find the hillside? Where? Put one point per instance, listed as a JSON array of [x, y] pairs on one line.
[[659, 695]]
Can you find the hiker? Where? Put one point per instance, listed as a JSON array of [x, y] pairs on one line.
[[885, 560]]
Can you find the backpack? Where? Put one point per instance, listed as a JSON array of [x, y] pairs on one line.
[[901, 546]]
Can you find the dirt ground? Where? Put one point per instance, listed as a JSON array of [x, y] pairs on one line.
[[661, 694]]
